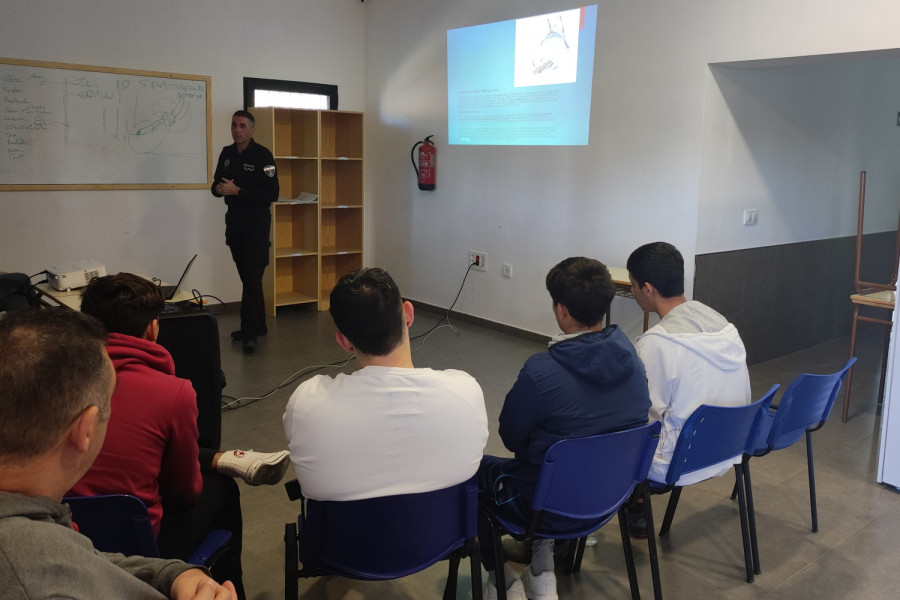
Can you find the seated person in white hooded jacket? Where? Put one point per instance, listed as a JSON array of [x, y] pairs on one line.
[[693, 356]]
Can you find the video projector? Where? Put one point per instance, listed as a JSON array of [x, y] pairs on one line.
[[74, 275]]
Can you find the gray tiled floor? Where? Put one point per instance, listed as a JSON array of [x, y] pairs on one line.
[[853, 556]]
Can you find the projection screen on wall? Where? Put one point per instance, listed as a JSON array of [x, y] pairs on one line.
[[523, 81]]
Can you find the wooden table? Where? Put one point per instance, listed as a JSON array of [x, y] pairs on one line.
[[623, 289]]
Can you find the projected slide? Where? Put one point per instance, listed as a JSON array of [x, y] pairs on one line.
[[523, 82]]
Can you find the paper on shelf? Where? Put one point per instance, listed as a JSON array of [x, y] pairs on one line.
[[303, 198]]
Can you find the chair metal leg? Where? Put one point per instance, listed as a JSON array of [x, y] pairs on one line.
[[499, 560], [629, 555], [745, 528], [651, 542], [452, 577], [574, 557], [670, 511], [291, 587], [812, 482], [751, 516], [475, 562], [849, 377]]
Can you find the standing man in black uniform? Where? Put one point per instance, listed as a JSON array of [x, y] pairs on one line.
[[246, 176]]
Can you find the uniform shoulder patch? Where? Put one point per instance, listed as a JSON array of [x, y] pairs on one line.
[[269, 170]]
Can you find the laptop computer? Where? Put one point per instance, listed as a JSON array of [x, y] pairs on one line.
[[168, 291]]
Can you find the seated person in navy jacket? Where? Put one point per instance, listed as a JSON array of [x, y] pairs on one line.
[[590, 381]]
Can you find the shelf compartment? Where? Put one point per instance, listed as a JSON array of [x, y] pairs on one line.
[[297, 175], [295, 280], [342, 134], [333, 268], [295, 133], [295, 229], [341, 231], [342, 183]]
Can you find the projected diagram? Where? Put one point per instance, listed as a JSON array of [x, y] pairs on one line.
[[547, 49], [522, 81]]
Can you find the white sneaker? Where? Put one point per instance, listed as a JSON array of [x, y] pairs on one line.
[[514, 592], [539, 587], [256, 468]]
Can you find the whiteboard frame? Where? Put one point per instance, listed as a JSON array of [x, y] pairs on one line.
[[121, 186]]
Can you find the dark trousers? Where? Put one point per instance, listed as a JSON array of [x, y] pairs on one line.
[[247, 236], [510, 499], [219, 507]]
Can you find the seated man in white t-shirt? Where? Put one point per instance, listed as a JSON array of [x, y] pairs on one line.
[[388, 428]]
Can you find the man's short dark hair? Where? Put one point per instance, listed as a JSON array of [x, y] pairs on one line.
[[584, 286], [124, 303], [246, 115], [661, 265], [367, 308], [54, 367]]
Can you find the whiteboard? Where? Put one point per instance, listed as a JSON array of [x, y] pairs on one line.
[[81, 127]]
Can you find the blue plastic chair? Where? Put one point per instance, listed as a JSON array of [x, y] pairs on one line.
[[803, 409], [385, 538], [119, 523], [588, 480], [711, 435]]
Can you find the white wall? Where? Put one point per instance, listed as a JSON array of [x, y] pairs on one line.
[[644, 176], [790, 141], [650, 172], [156, 232], [531, 207]]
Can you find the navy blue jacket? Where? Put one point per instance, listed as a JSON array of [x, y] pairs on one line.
[[590, 384]]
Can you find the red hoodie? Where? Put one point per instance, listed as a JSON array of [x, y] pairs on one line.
[[150, 450]]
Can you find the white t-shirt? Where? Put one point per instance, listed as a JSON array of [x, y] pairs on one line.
[[383, 431]]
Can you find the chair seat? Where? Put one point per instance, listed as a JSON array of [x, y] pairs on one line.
[[575, 528], [883, 299]]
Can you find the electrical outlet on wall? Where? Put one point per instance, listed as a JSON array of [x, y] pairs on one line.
[[751, 217], [479, 259]]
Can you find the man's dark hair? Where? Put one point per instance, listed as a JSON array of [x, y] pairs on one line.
[[660, 264], [367, 308], [54, 367], [246, 115], [583, 286], [124, 303]]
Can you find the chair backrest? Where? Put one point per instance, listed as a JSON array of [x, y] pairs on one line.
[[192, 338], [804, 406], [115, 523], [714, 434], [120, 523], [591, 477], [388, 537], [870, 286]]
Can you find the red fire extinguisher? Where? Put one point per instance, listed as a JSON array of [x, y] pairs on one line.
[[426, 170]]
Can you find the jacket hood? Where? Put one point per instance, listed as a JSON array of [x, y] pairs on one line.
[[126, 349], [36, 508], [702, 331], [605, 357]]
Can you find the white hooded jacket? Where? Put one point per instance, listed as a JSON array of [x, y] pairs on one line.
[[693, 356]]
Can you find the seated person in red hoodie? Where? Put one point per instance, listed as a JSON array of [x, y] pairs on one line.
[[151, 448]]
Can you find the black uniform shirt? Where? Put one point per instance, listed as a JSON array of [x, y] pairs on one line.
[[253, 171]]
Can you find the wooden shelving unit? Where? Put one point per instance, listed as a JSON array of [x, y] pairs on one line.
[[313, 244]]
